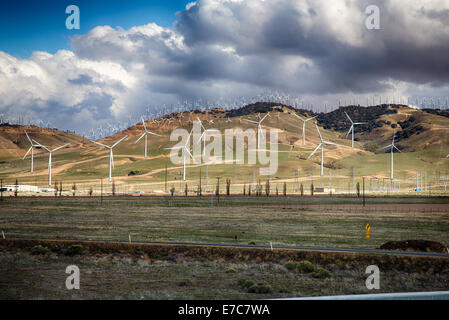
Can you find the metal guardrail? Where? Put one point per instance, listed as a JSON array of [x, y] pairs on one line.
[[433, 295]]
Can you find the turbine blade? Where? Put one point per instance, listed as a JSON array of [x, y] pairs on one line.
[[143, 123], [321, 138], [397, 148], [349, 131], [60, 147], [250, 121], [154, 134], [100, 144], [385, 147], [317, 147], [27, 152], [40, 145], [119, 141], [332, 143], [188, 151], [311, 118], [298, 117], [143, 135], [348, 117], [28, 137]]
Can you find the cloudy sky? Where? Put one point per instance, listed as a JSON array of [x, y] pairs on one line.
[[130, 55]]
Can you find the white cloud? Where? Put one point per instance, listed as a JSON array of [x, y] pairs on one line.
[[316, 49]]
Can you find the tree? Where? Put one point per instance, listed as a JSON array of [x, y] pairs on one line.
[[358, 189], [267, 188], [172, 190], [228, 187], [249, 190], [301, 189], [91, 190], [244, 189], [16, 189], [60, 188], [113, 188], [56, 189], [74, 189], [285, 189], [311, 189], [277, 191], [186, 190]]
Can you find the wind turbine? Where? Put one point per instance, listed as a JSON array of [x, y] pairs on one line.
[[145, 134], [322, 143], [304, 127], [32, 151], [184, 150], [392, 146], [259, 128], [111, 155], [37, 144], [352, 128]]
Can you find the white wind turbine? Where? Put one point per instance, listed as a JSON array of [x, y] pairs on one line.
[[145, 134], [259, 128], [184, 150], [392, 146], [322, 143], [353, 124], [50, 152], [32, 151], [111, 154], [304, 127]]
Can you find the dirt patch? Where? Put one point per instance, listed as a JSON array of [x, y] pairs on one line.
[[415, 245]]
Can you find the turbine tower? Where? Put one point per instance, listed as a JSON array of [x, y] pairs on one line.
[[145, 134], [184, 150], [322, 143], [50, 152], [32, 152], [303, 127], [392, 146], [259, 128], [111, 154], [353, 124]]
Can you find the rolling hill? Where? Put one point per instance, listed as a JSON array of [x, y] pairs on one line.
[[421, 135]]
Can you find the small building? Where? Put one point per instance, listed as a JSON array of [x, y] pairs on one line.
[[324, 190], [21, 188]]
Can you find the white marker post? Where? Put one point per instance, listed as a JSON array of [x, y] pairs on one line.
[[3, 234], [271, 245]]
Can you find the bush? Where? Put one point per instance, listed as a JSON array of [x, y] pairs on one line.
[[39, 250], [75, 249], [291, 265], [321, 273], [230, 270], [245, 284], [252, 243], [305, 266], [260, 288]]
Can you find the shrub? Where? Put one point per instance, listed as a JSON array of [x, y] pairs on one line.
[[252, 243], [260, 288], [75, 249], [245, 284], [291, 265], [230, 270], [39, 250], [321, 273], [305, 266]]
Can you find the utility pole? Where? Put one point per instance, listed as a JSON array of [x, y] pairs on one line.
[[1, 189], [363, 191], [101, 197], [165, 178]]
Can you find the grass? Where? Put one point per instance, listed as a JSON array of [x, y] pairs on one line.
[[234, 220]]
